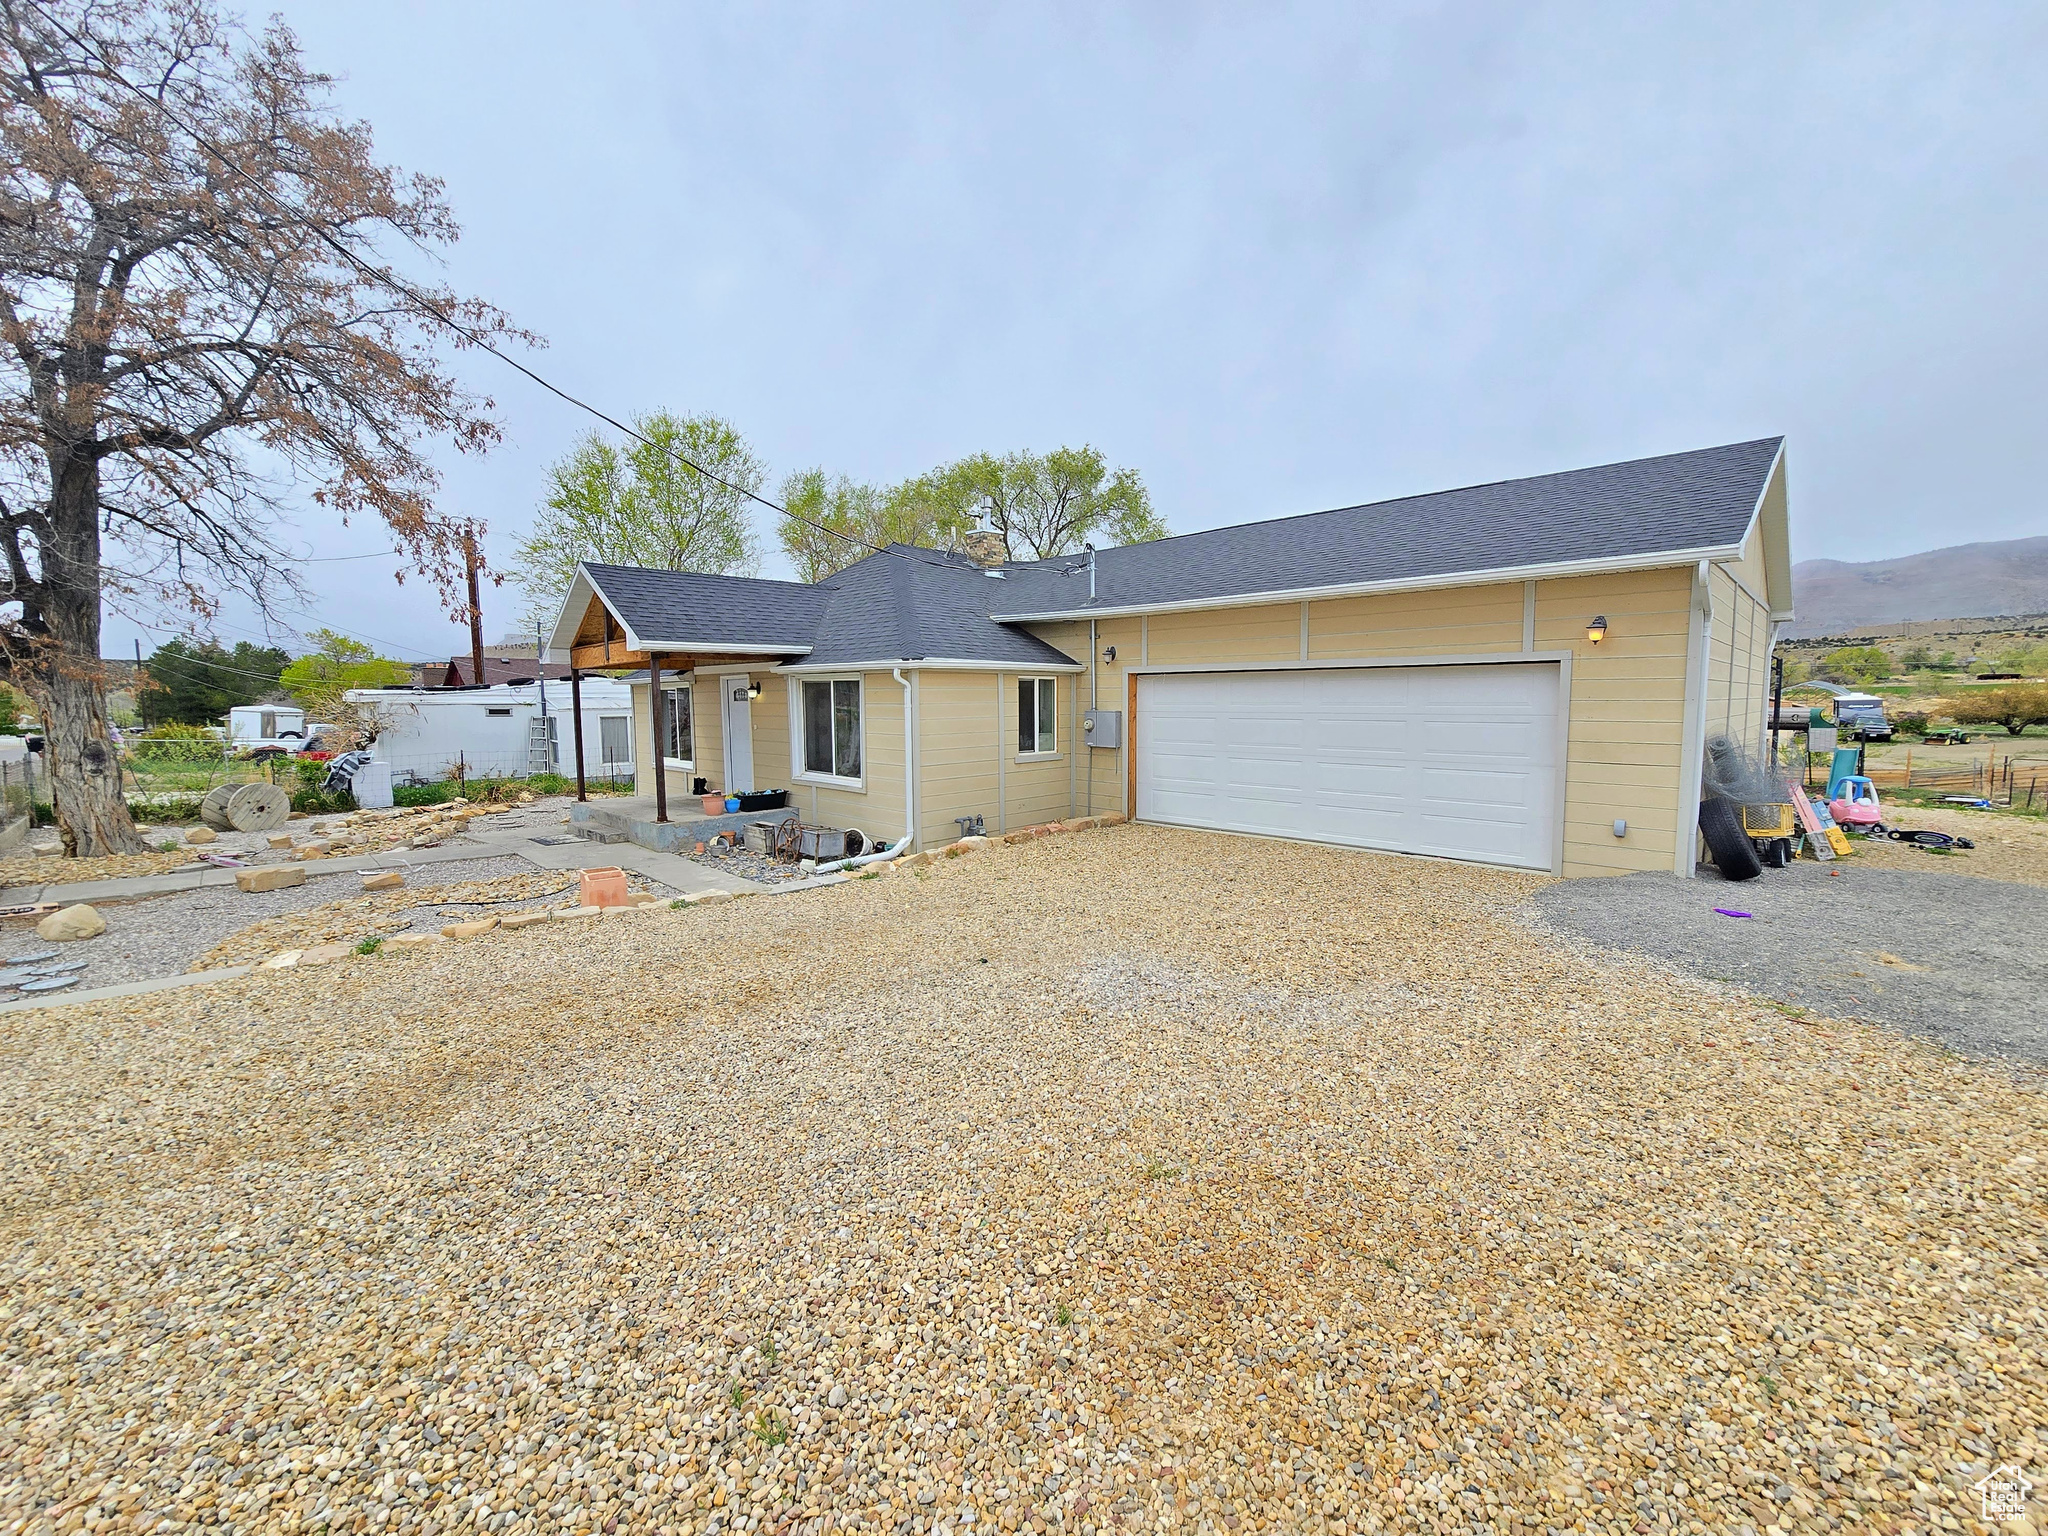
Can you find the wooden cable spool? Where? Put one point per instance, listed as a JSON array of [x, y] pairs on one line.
[[259, 808]]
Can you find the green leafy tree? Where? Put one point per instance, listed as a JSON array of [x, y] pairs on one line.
[[318, 679], [196, 681], [866, 516], [635, 504], [10, 711], [1856, 665], [2015, 707], [2027, 660], [1042, 504]]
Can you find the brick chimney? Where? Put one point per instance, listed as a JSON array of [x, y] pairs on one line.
[[984, 546]]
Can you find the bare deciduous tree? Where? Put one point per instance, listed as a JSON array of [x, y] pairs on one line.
[[195, 323]]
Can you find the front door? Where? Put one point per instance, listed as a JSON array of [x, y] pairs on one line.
[[738, 716]]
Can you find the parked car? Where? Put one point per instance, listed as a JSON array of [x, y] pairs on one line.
[[1861, 715]]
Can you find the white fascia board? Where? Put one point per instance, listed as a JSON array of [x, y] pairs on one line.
[[581, 585], [576, 601], [715, 648], [938, 664], [1506, 573]]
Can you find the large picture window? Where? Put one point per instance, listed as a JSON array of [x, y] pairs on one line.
[[831, 728], [1037, 711], [677, 744]]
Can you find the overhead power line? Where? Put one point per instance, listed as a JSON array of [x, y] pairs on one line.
[[476, 338]]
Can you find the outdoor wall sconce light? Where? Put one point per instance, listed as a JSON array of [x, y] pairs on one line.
[[1597, 630], [753, 692], [1109, 653]]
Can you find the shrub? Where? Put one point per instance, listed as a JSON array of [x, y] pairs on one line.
[[318, 802], [174, 743], [2015, 707], [1912, 723]]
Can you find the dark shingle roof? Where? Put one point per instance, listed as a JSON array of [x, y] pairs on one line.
[[688, 608], [1673, 504], [907, 605], [913, 604], [910, 604]]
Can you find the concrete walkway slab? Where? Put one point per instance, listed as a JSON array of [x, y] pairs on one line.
[[129, 989]]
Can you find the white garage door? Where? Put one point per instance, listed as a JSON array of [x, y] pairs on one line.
[[1450, 760]]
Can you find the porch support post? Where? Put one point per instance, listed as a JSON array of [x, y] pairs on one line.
[[654, 719], [576, 727]]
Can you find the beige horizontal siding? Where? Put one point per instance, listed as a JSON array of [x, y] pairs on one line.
[[1458, 621], [1627, 728], [1270, 632], [956, 733]]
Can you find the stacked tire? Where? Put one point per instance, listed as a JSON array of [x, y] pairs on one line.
[[1733, 852]]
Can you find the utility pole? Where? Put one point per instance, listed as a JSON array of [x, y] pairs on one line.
[[476, 611]]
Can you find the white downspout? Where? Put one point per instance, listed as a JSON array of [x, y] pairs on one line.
[[909, 789]]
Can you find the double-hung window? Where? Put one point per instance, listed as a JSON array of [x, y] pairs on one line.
[[1037, 711], [675, 726], [830, 729]]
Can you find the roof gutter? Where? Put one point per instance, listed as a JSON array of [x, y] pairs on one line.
[[1555, 569]]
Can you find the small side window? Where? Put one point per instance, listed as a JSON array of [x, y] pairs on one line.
[[1037, 715]]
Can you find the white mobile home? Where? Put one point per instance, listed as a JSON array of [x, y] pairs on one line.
[[429, 734]]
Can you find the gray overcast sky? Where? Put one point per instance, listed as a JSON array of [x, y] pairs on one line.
[[1276, 259]]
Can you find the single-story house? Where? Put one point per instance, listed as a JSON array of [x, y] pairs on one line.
[[512, 730], [455, 671], [1523, 673]]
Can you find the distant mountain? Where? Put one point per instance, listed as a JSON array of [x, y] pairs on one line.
[[1967, 581]]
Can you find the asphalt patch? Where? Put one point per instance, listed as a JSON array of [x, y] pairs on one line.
[[1953, 958]]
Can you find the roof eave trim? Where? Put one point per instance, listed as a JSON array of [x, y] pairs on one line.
[[716, 648], [583, 580], [935, 664], [1548, 572]]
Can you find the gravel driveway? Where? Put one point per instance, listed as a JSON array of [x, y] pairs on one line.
[[1127, 1180], [1960, 960]]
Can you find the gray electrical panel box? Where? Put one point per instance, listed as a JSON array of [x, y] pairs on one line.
[[1102, 727]]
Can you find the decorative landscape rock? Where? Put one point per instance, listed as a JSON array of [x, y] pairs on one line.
[[469, 930], [324, 954], [273, 877], [71, 923], [279, 840], [199, 836], [284, 960], [413, 940], [523, 920], [383, 880]]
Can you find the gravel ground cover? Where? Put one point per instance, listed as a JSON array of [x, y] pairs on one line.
[[164, 935], [40, 869], [427, 908], [1905, 942], [748, 866], [2011, 848], [346, 834], [1132, 1180]]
